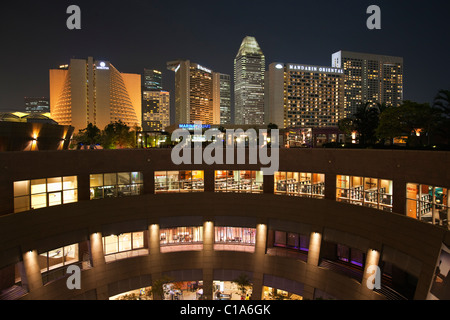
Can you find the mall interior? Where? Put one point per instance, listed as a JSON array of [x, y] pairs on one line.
[[314, 230]]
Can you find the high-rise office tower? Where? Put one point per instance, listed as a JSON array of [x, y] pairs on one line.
[[155, 102], [222, 96], [92, 91], [194, 93], [370, 78], [152, 80], [155, 110], [37, 104], [249, 69], [300, 95]]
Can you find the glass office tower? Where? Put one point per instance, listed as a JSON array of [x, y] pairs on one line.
[[249, 69]]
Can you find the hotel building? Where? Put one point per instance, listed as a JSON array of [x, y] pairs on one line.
[[298, 95], [93, 91], [369, 78], [317, 228], [194, 93], [249, 70]]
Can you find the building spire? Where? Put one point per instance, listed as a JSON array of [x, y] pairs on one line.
[[249, 46]]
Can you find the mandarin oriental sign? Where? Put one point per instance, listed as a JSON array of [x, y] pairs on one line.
[[301, 67]]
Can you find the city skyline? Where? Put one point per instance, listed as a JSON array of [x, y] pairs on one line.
[[288, 34]]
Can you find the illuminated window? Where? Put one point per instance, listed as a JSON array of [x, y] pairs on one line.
[[112, 185], [300, 184], [235, 235], [428, 203], [369, 192], [41, 193], [243, 181], [123, 242], [58, 257], [181, 235], [179, 181]]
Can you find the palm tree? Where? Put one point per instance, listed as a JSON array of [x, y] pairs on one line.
[[243, 281]]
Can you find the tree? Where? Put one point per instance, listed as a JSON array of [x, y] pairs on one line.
[[158, 287], [117, 135], [411, 119], [347, 127], [243, 282], [91, 135], [366, 120], [441, 108]]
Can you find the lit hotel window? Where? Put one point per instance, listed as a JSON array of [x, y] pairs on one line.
[[428, 203], [369, 192], [41, 193], [235, 235], [58, 257], [123, 242], [111, 185], [300, 184], [179, 181], [243, 181], [181, 235]]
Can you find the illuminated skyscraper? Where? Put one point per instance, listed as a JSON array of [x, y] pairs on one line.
[[152, 80], [90, 91], [370, 78], [194, 93], [155, 110], [222, 96], [249, 69], [299, 95], [37, 104]]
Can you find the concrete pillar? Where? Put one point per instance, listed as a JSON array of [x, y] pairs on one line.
[[372, 274], [259, 256], [97, 254], [32, 270], [98, 263], [399, 197], [154, 251], [330, 186], [208, 257], [314, 248], [268, 184], [149, 181], [209, 182], [84, 184]]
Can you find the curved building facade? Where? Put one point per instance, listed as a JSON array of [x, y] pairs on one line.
[[127, 218], [93, 91]]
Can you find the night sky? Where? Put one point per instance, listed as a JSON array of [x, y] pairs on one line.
[[138, 34]]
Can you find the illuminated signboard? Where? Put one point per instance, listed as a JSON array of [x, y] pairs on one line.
[[102, 66], [301, 67], [192, 126], [203, 68]]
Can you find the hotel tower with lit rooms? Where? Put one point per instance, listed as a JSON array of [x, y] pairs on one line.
[[369, 78], [298, 95], [93, 91], [195, 87]]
